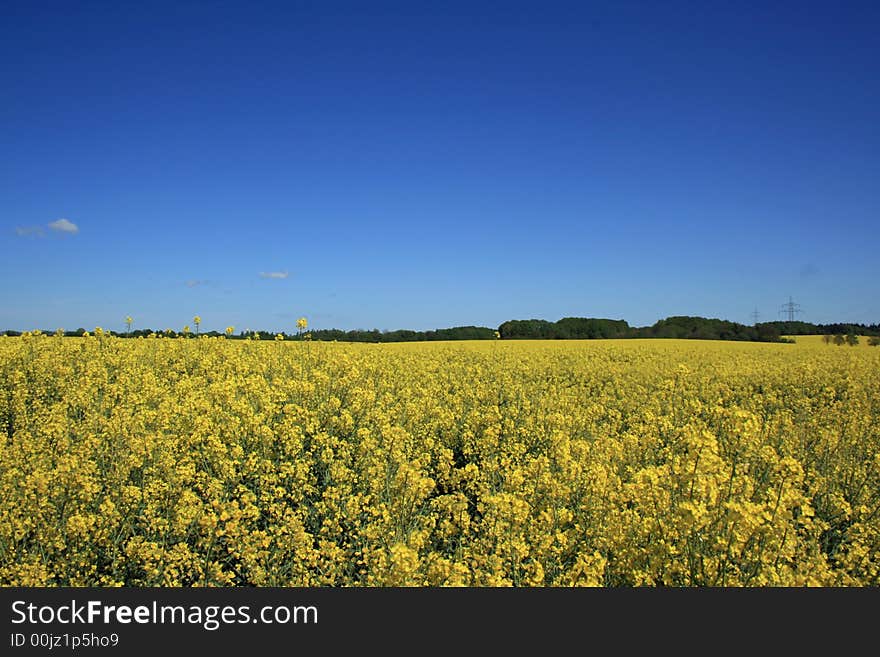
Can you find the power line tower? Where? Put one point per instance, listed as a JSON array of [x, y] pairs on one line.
[[755, 315], [791, 309]]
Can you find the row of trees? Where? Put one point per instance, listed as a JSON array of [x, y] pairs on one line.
[[580, 328], [701, 328], [359, 335], [839, 339], [807, 328], [403, 335], [683, 327], [850, 339], [139, 333]]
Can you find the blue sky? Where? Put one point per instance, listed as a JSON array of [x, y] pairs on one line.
[[425, 165]]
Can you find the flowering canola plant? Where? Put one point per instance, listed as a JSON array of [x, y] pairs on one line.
[[175, 462]]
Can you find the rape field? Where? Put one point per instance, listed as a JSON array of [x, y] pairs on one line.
[[190, 462]]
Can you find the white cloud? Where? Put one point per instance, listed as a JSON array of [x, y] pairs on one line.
[[274, 274], [64, 226], [194, 283]]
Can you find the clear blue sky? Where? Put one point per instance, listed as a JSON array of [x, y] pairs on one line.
[[425, 165]]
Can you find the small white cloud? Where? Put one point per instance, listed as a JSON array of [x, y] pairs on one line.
[[29, 231], [64, 226], [274, 274], [193, 283]]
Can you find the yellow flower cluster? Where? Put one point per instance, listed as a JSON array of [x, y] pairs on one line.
[[601, 463]]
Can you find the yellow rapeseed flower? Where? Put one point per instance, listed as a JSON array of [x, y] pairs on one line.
[[570, 463]]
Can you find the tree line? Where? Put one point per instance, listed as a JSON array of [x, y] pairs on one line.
[[567, 328], [807, 328], [851, 339], [401, 335], [681, 327], [328, 335]]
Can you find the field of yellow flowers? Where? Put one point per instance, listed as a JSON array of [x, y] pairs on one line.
[[206, 461]]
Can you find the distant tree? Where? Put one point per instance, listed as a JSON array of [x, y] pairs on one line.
[[527, 329], [795, 328], [852, 339], [874, 341], [702, 328], [827, 338], [591, 328], [858, 329], [839, 339], [768, 333]]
